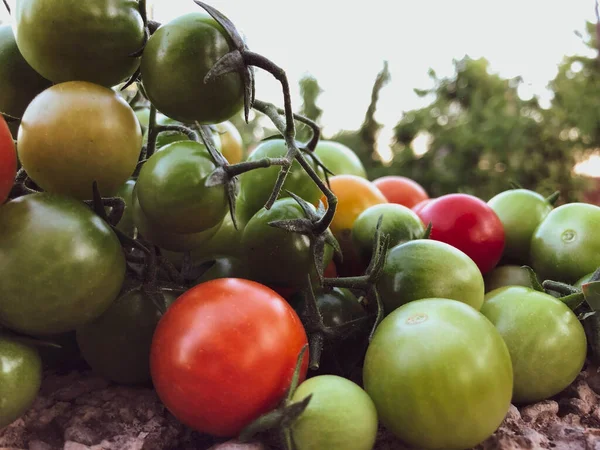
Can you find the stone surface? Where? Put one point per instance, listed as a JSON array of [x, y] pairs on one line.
[[79, 411]]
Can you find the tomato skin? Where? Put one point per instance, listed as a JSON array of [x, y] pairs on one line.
[[172, 193], [275, 256], [20, 378], [66, 40], [128, 325], [566, 245], [354, 194], [224, 353], [340, 415], [469, 224], [105, 148], [168, 137], [256, 186], [546, 341], [340, 159], [507, 275], [419, 206], [8, 161], [232, 146], [61, 265], [520, 211], [19, 83], [401, 190], [440, 375], [424, 268], [193, 43], [399, 223], [157, 235]]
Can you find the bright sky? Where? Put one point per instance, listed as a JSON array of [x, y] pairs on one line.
[[344, 46]]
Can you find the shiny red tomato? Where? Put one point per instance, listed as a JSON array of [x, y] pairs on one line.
[[419, 206], [8, 161], [401, 190], [224, 353], [469, 224]]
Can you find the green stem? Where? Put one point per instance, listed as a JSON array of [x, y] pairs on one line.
[[553, 198], [152, 133]]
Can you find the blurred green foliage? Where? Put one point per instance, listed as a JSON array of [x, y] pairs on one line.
[[477, 134]]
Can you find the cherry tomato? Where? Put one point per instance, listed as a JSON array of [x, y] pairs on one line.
[[547, 343], [468, 224], [60, 264], [275, 256], [171, 189], [419, 206], [8, 161], [401, 190], [520, 211], [566, 245], [191, 43], [232, 146], [224, 353], [340, 415], [20, 378], [340, 159], [399, 223], [440, 375], [75, 133], [424, 268], [67, 40], [19, 83]]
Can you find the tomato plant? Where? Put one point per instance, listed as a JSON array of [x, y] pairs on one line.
[[520, 211], [20, 378], [256, 186], [8, 161], [172, 193], [61, 265], [192, 43], [168, 137], [399, 223], [75, 133], [67, 40], [19, 83], [440, 375], [468, 224], [275, 256], [566, 245], [128, 325], [224, 353], [401, 190], [340, 415], [340, 159], [547, 343], [424, 268]]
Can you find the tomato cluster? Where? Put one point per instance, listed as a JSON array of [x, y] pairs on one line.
[[281, 290]]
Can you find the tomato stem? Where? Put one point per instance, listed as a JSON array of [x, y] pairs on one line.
[[553, 198], [533, 279], [6, 6], [152, 134]]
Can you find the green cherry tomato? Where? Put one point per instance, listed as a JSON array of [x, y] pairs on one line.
[[583, 280], [157, 235], [507, 275], [192, 43], [19, 83], [75, 133], [127, 326], [566, 245], [256, 186], [60, 264], [223, 267], [520, 211], [547, 343], [440, 375], [20, 379], [66, 40], [424, 268], [339, 415], [168, 137], [275, 256], [399, 222], [172, 193], [340, 159]]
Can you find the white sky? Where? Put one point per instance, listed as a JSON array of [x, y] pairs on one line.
[[344, 46]]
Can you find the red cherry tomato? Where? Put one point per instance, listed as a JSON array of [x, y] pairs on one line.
[[469, 224], [8, 161], [401, 190], [224, 353], [419, 206]]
